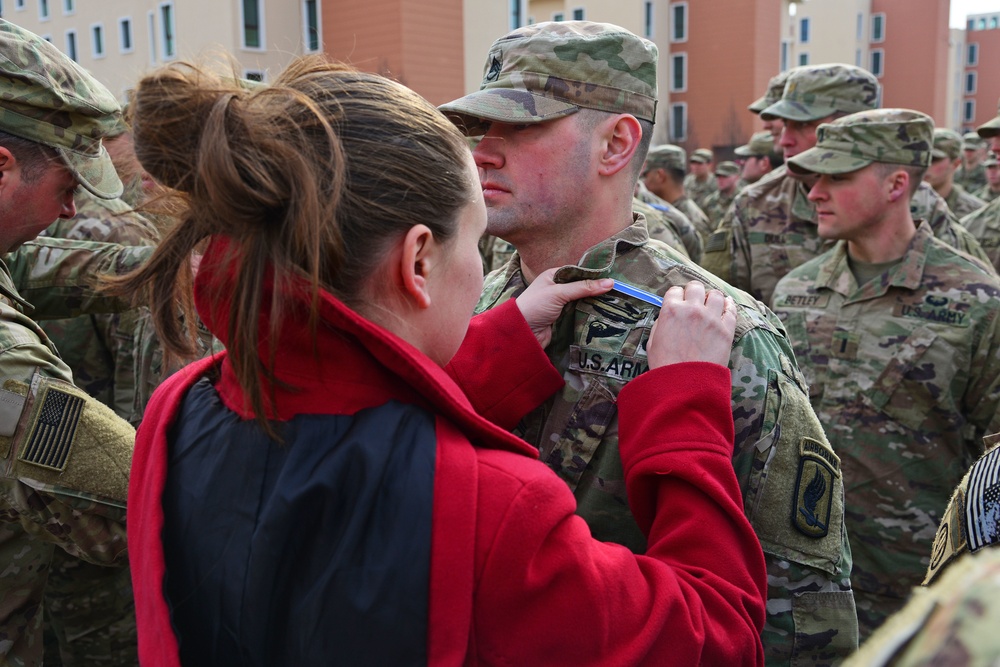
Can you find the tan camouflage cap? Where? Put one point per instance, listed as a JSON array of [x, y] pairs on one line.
[[761, 144], [947, 144], [972, 141], [992, 159], [667, 156], [893, 136], [990, 128], [727, 168], [47, 98], [702, 156], [775, 87], [550, 70], [818, 91]]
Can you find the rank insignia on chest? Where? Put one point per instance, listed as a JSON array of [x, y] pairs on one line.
[[844, 345], [819, 467]]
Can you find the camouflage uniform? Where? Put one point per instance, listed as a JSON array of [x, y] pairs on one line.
[[975, 178], [680, 226], [961, 202], [719, 202], [904, 370], [984, 224], [670, 157], [599, 344], [948, 146], [65, 456], [660, 227], [699, 191], [987, 194]]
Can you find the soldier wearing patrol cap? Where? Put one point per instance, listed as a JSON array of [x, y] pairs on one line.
[[663, 175], [700, 181], [898, 336], [946, 158], [971, 174], [984, 224], [771, 226], [772, 124], [727, 175], [991, 190], [65, 457], [574, 102], [758, 157]]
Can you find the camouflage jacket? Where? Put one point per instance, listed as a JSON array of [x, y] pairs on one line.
[[716, 206], [99, 348], [65, 461], [599, 345], [904, 373], [986, 193], [971, 179], [984, 224], [770, 229], [694, 213], [961, 202], [665, 223], [700, 190]]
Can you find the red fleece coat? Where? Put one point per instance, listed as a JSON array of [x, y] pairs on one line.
[[515, 577]]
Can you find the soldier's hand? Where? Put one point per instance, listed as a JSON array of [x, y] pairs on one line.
[[692, 326], [543, 301]]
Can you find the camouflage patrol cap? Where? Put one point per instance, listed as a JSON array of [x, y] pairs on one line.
[[893, 136], [549, 70], [775, 87], [47, 98], [971, 141], [992, 159], [702, 156], [727, 168], [667, 156], [761, 144], [818, 91], [990, 128], [947, 144]]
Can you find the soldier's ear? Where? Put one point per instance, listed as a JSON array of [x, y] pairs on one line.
[[7, 164], [899, 185], [620, 142]]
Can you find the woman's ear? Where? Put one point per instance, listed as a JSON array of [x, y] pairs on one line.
[[419, 254]]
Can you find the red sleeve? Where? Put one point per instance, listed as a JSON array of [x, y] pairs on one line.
[[501, 367], [548, 594]]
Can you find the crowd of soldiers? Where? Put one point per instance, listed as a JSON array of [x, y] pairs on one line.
[[861, 246]]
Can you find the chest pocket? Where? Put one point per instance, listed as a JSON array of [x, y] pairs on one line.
[[809, 363], [908, 388]]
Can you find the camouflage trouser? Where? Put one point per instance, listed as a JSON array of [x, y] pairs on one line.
[[873, 610], [89, 615]]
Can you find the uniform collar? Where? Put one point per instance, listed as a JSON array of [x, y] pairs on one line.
[[9, 291]]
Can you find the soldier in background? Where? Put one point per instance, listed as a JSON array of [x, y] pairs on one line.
[[700, 181], [940, 175], [971, 175], [991, 190], [984, 224], [759, 158], [551, 122], [772, 124], [900, 343], [663, 175], [727, 174]]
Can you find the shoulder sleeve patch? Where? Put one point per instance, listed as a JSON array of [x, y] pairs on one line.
[[52, 428]]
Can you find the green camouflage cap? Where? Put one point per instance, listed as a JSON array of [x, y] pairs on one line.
[[667, 156], [971, 141], [893, 136], [990, 128], [550, 70], [47, 98], [727, 168], [775, 87], [818, 91], [947, 144], [702, 156], [991, 159], [761, 144]]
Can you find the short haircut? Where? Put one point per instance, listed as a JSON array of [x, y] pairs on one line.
[[32, 157]]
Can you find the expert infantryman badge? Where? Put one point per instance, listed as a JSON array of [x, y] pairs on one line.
[[818, 468]]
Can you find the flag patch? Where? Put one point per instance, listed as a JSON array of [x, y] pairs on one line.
[[50, 438], [982, 502]]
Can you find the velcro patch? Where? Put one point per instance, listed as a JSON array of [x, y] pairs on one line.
[[934, 309], [717, 241], [819, 467], [50, 435], [802, 301], [982, 502]]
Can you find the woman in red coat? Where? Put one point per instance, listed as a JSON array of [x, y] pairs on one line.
[[340, 487]]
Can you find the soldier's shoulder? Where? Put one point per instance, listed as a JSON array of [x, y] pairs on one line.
[[948, 264]]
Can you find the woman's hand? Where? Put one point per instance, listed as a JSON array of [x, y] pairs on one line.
[[543, 301], [692, 326]]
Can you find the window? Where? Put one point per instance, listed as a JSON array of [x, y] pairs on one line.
[[97, 40], [970, 83], [558, 16], [861, 25], [253, 75], [971, 25], [678, 22], [678, 121], [69, 7], [804, 31], [125, 35], [18, 4], [878, 28], [253, 33], [71, 44], [969, 111], [43, 10], [647, 19], [310, 21], [47, 38], [857, 58], [151, 28], [803, 59], [167, 31], [785, 50], [516, 14], [678, 72], [972, 55], [994, 22], [981, 24], [578, 14], [878, 62]]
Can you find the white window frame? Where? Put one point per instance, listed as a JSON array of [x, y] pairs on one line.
[[858, 58], [260, 28], [649, 19], [785, 55], [96, 28], [69, 7], [673, 134], [151, 33], [19, 5], [581, 10], [319, 26], [881, 59], [803, 59], [682, 56], [878, 39], [972, 54], [123, 21], [516, 19], [861, 26], [674, 38], [248, 73], [44, 11], [805, 28], [973, 77], [72, 51], [969, 111], [164, 42]]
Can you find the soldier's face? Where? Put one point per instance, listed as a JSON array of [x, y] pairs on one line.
[[993, 176], [798, 136], [31, 202], [775, 126], [699, 169], [727, 182], [995, 144], [848, 205], [754, 168], [534, 178], [940, 172]]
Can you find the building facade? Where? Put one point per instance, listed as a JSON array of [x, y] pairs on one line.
[[981, 70]]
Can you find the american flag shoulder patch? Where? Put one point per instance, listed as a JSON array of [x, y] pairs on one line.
[[982, 501], [49, 439]]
